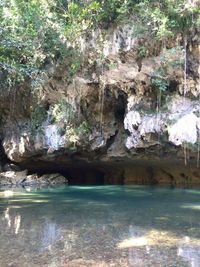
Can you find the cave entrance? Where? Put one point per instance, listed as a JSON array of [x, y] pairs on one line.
[[144, 172], [3, 157], [79, 173], [85, 176]]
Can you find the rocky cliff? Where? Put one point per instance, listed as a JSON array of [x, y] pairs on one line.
[[131, 114]]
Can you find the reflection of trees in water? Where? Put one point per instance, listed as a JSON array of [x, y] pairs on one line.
[[46, 233], [136, 255]]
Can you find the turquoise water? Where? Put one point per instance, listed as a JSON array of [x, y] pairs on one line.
[[100, 226]]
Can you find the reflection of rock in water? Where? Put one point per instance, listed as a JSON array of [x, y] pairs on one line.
[[136, 257], [7, 217], [17, 223], [13, 220], [50, 235], [136, 231], [136, 254], [190, 254]]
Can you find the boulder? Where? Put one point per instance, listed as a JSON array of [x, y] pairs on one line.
[[12, 177], [48, 179], [15, 178]]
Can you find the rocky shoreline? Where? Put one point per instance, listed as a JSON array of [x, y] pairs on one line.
[[22, 178]]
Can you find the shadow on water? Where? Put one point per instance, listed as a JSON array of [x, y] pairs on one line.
[[101, 225]]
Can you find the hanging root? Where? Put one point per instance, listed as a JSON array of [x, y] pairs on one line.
[[102, 98], [198, 150], [185, 154], [185, 66]]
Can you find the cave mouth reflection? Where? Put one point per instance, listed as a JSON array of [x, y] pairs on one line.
[[99, 226]]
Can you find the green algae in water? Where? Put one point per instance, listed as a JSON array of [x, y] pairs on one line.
[[100, 226]]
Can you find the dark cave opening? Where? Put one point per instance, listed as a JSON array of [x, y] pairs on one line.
[[143, 172], [5, 162], [120, 108], [78, 172], [85, 176]]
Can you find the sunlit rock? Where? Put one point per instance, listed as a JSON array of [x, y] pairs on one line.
[[151, 124], [22, 179], [198, 124], [54, 178], [184, 130], [53, 137], [132, 120], [12, 177]]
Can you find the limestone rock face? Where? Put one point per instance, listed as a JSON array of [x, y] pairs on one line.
[[184, 130], [114, 109], [132, 120], [162, 174]]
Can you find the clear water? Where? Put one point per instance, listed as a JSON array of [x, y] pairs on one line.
[[100, 226]]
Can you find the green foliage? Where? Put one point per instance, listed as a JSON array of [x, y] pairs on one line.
[[197, 113], [80, 17], [75, 133], [109, 63], [83, 129], [62, 111], [38, 116], [142, 50], [171, 58], [34, 33], [74, 58], [160, 83], [113, 10], [165, 18]]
